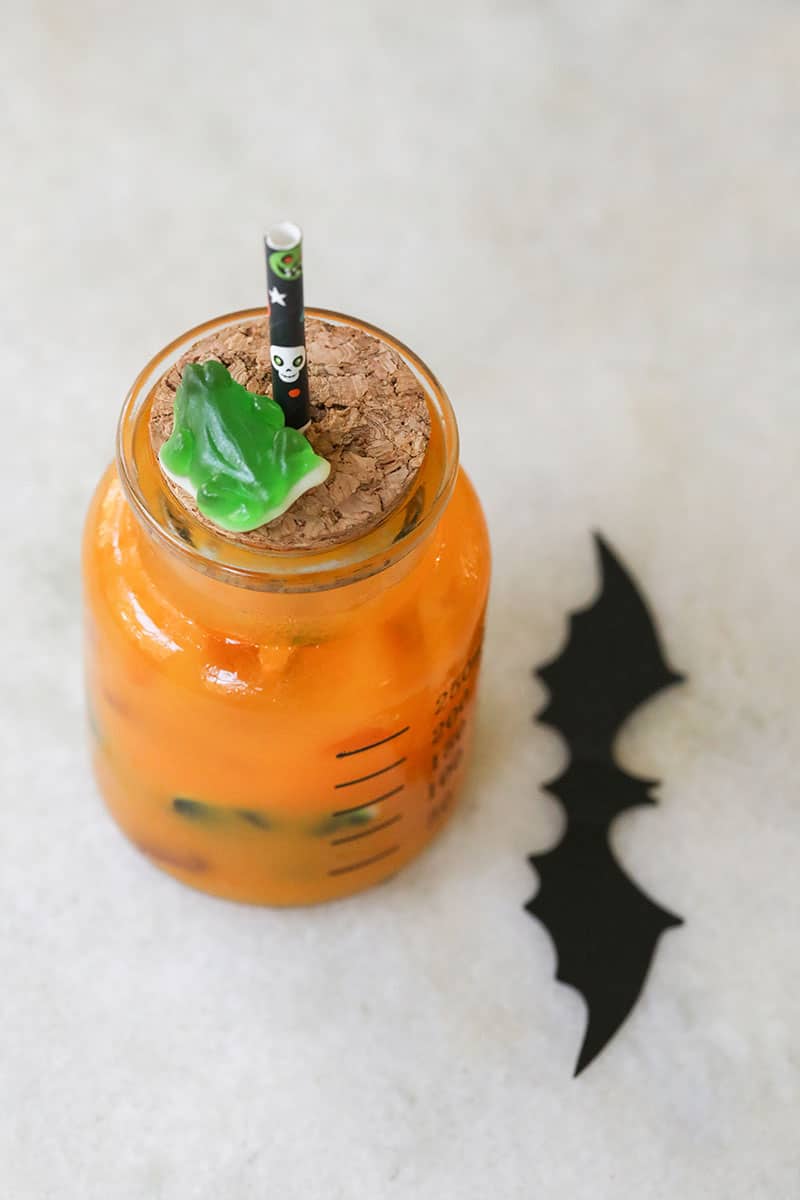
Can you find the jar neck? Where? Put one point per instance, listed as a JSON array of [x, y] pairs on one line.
[[244, 613], [204, 563]]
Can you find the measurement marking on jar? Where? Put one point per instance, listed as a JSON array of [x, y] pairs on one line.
[[342, 812], [354, 837], [373, 775], [365, 862], [373, 745]]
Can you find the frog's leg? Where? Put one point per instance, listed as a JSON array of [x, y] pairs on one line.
[[270, 413], [230, 504], [295, 470], [178, 451]]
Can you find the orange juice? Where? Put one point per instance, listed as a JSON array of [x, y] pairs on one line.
[[284, 727]]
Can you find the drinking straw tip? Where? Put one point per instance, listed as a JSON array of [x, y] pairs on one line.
[[285, 235]]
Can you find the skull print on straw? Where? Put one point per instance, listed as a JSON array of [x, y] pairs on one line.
[[288, 361], [284, 250]]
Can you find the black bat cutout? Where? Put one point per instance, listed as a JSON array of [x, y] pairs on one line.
[[604, 928]]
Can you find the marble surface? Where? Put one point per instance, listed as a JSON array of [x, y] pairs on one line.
[[586, 218]]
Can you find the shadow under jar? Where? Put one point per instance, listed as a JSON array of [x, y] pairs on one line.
[[281, 727]]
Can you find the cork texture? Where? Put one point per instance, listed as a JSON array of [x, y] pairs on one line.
[[369, 419]]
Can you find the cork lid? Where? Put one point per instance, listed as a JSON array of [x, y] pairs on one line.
[[369, 419]]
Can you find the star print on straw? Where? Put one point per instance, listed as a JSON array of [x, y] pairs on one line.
[[276, 297]]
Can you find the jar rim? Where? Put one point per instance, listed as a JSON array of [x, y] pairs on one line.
[[348, 561]]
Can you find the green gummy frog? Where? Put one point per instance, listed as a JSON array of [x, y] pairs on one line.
[[233, 452]]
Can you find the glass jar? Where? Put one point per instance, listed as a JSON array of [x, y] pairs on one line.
[[287, 727]]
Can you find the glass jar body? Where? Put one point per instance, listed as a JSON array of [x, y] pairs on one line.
[[281, 748]]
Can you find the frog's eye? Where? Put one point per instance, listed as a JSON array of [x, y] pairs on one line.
[[298, 362], [277, 360]]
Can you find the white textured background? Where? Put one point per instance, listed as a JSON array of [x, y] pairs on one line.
[[586, 217]]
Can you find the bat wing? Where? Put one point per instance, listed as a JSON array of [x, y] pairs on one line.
[[604, 930], [611, 664]]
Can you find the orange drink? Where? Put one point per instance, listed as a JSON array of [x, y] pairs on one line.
[[282, 727]]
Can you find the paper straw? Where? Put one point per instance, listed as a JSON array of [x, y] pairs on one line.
[[287, 334]]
